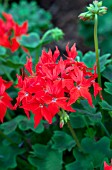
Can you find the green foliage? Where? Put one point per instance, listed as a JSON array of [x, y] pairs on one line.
[[26, 124], [30, 41], [51, 35], [2, 51], [39, 20], [44, 158], [66, 141], [90, 60], [94, 154], [8, 156], [90, 132], [33, 40], [105, 105], [108, 88], [108, 72], [23, 123], [10, 126]]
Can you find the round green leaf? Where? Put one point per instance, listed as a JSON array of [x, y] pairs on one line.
[[8, 156], [30, 41], [27, 124], [66, 142], [46, 159], [2, 51]]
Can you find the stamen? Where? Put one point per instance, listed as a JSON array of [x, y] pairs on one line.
[[41, 106], [54, 100], [78, 87], [26, 94]]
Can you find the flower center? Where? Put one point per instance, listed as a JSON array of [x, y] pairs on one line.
[[54, 100], [78, 87], [41, 106], [26, 94]]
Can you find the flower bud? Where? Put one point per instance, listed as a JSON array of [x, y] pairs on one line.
[[85, 16], [99, 4], [102, 11], [57, 34], [64, 117], [61, 123], [95, 8]]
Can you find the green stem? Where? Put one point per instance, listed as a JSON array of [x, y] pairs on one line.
[[38, 53], [6, 4], [98, 63], [74, 135], [96, 48], [7, 138], [8, 116], [104, 129]]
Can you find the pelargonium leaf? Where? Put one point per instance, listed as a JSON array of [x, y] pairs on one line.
[[30, 41], [93, 156], [108, 88], [8, 156], [10, 126], [44, 158], [66, 142], [27, 124], [105, 105], [2, 51], [107, 73]]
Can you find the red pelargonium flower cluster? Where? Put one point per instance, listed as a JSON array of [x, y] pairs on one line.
[[55, 84], [5, 99], [10, 32], [107, 167]]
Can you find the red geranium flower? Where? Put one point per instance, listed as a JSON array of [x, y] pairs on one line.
[[107, 167], [54, 85], [11, 32], [5, 99]]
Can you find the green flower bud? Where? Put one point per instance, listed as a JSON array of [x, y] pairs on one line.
[[57, 34], [61, 123], [102, 12], [95, 8], [85, 16], [99, 4]]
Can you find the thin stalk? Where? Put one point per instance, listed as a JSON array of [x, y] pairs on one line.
[[96, 47], [7, 138], [6, 3], [38, 52], [8, 116], [74, 135], [104, 129]]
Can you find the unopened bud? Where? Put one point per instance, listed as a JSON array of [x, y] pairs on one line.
[[99, 4], [90, 9], [86, 16], [102, 11], [95, 2], [66, 118], [61, 123], [95, 8], [92, 6]]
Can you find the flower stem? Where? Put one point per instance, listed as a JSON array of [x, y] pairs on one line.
[[96, 48], [74, 135], [6, 4], [104, 129], [7, 138]]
